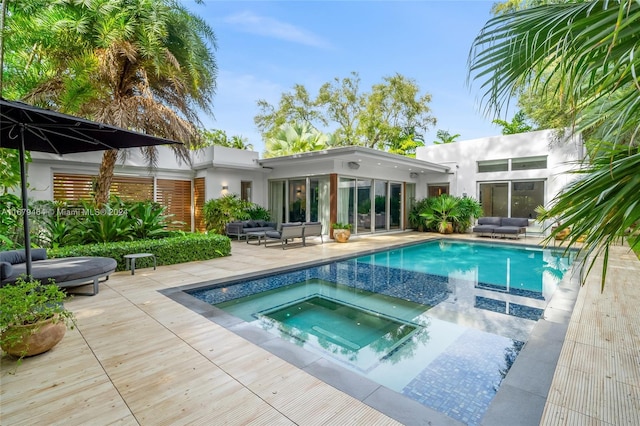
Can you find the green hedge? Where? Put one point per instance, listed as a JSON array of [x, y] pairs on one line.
[[168, 251]]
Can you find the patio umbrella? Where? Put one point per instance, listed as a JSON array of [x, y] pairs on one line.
[[28, 128]]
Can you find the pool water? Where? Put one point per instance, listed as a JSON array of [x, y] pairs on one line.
[[440, 322]]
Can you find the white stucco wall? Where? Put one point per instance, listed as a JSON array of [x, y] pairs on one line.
[[463, 158]]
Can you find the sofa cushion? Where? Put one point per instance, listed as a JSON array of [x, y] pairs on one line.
[[284, 225], [272, 234], [251, 224], [507, 230], [489, 220], [13, 257], [6, 269], [261, 223], [484, 228], [515, 221]]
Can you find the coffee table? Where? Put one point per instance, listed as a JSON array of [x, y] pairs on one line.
[[131, 258], [259, 235]]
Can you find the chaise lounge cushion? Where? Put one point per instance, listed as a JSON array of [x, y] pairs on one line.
[[65, 269], [6, 270], [66, 272]]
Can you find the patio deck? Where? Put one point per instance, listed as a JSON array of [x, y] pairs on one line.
[[138, 357]]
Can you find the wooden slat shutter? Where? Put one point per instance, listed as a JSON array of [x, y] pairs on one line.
[[132, 188], [198, 203], [68, 187], [175, 195]]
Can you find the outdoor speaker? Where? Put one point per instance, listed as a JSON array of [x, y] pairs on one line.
[[353, 165], [413, 175]]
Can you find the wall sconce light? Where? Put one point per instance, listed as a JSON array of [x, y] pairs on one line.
[[225, 187]]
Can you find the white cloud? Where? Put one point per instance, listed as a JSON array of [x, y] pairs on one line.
[[269, 27]]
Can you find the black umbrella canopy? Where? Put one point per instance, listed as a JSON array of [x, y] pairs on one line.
[[28, 128], [54, 132]]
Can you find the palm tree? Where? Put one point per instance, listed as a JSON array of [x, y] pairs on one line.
[[590, 50], [146, 65], [445, 137], [295, 138]]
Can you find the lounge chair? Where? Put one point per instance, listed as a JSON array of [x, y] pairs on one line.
[[288, 231], [312, 229]]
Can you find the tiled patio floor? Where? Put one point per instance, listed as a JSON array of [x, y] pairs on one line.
[[138, 357]]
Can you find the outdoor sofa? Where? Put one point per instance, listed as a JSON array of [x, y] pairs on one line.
[[239, 229], [290, 231], [502, 226], [66, 272]]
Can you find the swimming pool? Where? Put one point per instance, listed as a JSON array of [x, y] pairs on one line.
[[440, 322]]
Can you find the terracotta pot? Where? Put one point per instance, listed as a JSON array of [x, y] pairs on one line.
[[33, 339], [341, 235], [560, 236], [446, 230]]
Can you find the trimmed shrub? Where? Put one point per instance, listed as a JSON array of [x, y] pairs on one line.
[[168, 251]]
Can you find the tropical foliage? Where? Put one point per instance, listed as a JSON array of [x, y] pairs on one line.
[[444, 212], [296, 138], [219, 137], [518, 124], [137, 64], [391, 116], [443, 136], [585, 54], [228, 208]]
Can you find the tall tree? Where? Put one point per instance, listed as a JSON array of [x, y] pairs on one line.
[[382, 119], [590, 48], [145, 65], [395, 108], [293, 107]]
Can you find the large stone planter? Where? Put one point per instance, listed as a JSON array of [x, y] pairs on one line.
[[33, 339], [341, 235]]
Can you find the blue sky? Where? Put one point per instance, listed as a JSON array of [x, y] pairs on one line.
[[266, 47]]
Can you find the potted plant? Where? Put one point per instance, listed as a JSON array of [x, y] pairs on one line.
[[341, 232], [33, 318], [442, 213]]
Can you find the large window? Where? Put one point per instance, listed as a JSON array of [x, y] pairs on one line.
[[297, 200], [529, 163], [380, 201], [493, 166], [395, 205], [363, 199], [277, 197], [525, 197], [346, 200], [319, 201], [494, 198], [512, 199], [504, 165]]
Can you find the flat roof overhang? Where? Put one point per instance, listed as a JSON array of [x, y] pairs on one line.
[[360, 155]]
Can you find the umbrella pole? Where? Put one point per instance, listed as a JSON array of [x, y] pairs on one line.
[[25, 204]]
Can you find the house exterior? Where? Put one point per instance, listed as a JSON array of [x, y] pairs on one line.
[[510, 175], [372, 190]]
